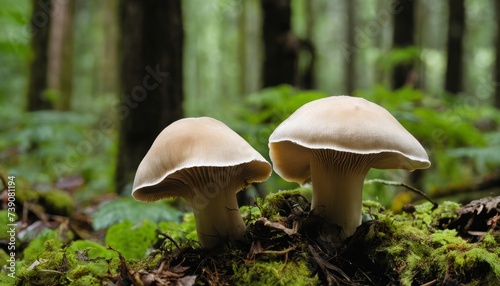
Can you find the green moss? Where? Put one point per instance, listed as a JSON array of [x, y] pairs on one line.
[[93, 250], [36, 246], [57, 202], [250, 213], [489, 241], [87, 280], [273, 273], [88, 258], [4, 223], [81, 263], [401, 249], [275, 203], [25, 194], [415, 250], [6, 280], [447, 237], [180, 232], [49, 270], [3, 257], [85, 268], [479, 256], [132, 240]]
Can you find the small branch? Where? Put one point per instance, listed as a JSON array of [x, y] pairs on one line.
[[168, 237], [399, 184], [278, 252], [50, 271], [277, 226]]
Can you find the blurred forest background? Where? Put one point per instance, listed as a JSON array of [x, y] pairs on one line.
[[87, 85]]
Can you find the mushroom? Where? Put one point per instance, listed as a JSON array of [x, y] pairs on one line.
[[333, 142], [206, 163]]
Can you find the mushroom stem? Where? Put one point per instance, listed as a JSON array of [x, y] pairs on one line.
[[217, 218], [337, 188]]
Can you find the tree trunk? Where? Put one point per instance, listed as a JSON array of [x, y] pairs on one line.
[[456, 28], [496, 100], [308, 78], [280, 46], [151, 78], [60, 62], [351, 58], [107, 78], [40, 26], [402, 74], [243, 49], [404, 27]]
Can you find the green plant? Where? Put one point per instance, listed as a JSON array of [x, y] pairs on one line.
[[263, 111], [132, 240], [128, 209], [450, 128], [44, 146]]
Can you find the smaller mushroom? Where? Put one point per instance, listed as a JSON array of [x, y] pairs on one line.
[[333, 142], [206, 163]]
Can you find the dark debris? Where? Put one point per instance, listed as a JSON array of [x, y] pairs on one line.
[[477, 218]]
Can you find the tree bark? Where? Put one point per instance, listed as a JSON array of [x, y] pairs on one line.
[[150, 78], [38, 83], [351, 59], [243, 49], [60, 65], [280, 46], [456, 29], [107, 78], [496, 100], [404, 27], [308, 78]]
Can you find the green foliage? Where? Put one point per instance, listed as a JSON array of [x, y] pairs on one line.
[[396, 56], [416, 249], [87, 280], [14, 54], [81, 263], [132, 240], [92, 250], [46, 145], [4, 221], [128, 209], [4, 257], [273, 273], [47, 272], [450, 128], [57, 202], [37, 245], [482, 159], [273, 204], [250, 213], [180, 231], [263, 111], [408, 248]]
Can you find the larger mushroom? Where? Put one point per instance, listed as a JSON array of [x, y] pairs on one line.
[[206, 163], [333, 142]]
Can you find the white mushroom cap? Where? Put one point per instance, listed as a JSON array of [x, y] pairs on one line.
[[189, 144], [333, 142], [345, 124], [206, 163]]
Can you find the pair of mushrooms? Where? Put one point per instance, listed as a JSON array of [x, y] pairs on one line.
[[332, 142]]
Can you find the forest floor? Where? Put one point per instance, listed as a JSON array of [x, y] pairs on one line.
[[285, 244]]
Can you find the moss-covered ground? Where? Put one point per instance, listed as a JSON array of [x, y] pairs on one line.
[[285, 245]]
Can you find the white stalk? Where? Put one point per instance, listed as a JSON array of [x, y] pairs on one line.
[[219, 220], [216, 212], [337, 189]]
